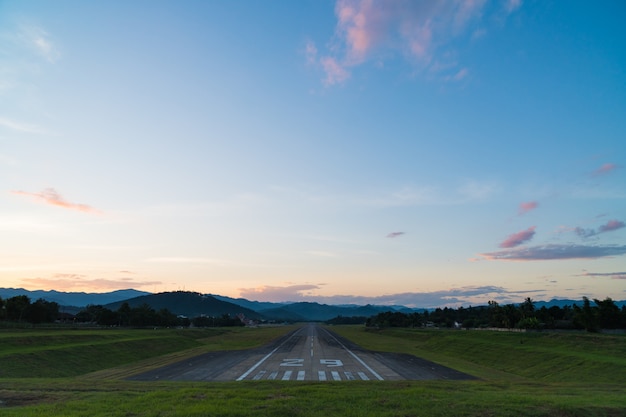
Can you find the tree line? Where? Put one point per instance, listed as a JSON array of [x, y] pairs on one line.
[[603, 314], [21, 309]]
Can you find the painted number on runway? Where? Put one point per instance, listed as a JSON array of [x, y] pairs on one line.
[[292, 362], [331, 362]]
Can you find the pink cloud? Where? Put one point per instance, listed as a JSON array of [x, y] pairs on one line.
[[369, 29], [554, 252], [52, 197], [518, 238], [335, 72], [527, 206], [604, 169], [611, 225]]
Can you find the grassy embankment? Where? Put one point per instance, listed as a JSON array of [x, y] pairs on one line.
[[80, 373]]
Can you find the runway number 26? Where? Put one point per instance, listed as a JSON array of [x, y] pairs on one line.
[[331, 362]]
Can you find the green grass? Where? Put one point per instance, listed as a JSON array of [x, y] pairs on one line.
[[561, 375], [542, 357]]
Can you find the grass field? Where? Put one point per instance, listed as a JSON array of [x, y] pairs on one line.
[[80, 373]]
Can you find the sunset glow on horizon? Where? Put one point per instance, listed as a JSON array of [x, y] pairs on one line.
[[350, 151]]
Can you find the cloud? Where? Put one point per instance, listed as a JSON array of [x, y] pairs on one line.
[[186, 260], [553, 252], [518, 238], [66, 282], [418, 30], [613, 275], [39, 40], [456, 297], [512, 5], [526, 207], [310, 51], [52, 197], [604, 169], [336, 73], [21, 127], [610, 226], [278, 294], [393, 235]]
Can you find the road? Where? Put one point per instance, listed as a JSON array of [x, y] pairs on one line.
[[310, 353]]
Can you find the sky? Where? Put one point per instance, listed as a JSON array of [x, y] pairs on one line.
[[427, 154]]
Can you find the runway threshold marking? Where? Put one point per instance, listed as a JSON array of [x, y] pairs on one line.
[[380, 378], [256, 365]]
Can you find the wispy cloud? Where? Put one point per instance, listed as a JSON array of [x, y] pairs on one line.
[[187, 260], [38, 39], [52, 197], [554, 252], [22, 127], [610, 226], [526, 207], [604, 169], [67, 282], [368, 30], [612, 275], [518, 238], [278, 294], [470, 295], [393, 235]]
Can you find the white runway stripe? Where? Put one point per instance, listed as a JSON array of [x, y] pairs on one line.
[[336, 376], [321, 375], [363, 376], [287, 375]]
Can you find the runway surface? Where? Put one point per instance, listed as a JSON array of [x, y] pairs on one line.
[[310, 353]]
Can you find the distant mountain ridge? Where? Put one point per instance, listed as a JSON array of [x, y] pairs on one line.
[[193, 304], [189, 304], [76, 299]]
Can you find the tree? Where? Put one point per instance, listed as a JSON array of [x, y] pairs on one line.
[[608, 313], [42, 311], [16, 307], [586, 317]]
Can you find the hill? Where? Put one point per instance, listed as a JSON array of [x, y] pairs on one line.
[[320, 312], [76, 299], [190, 304]]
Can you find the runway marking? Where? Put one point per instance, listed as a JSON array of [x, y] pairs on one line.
[[256, 365], [287, 375], [292, 362], [363, 376], [300, 376], [321, 375], [259, 375], [273, 375], [331, 362], [373, 372], [349, 376], [336, 376]]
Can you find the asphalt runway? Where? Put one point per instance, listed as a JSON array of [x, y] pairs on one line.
[[310, 353]]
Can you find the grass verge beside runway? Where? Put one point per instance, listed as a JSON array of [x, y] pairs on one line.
[[517, 379]]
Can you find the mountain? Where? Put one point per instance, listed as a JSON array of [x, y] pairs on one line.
[[77, 299], [190, 304], [320, 312], [310, 311], [252, 305]]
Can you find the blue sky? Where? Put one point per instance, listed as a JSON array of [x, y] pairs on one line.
[[397, 152]]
